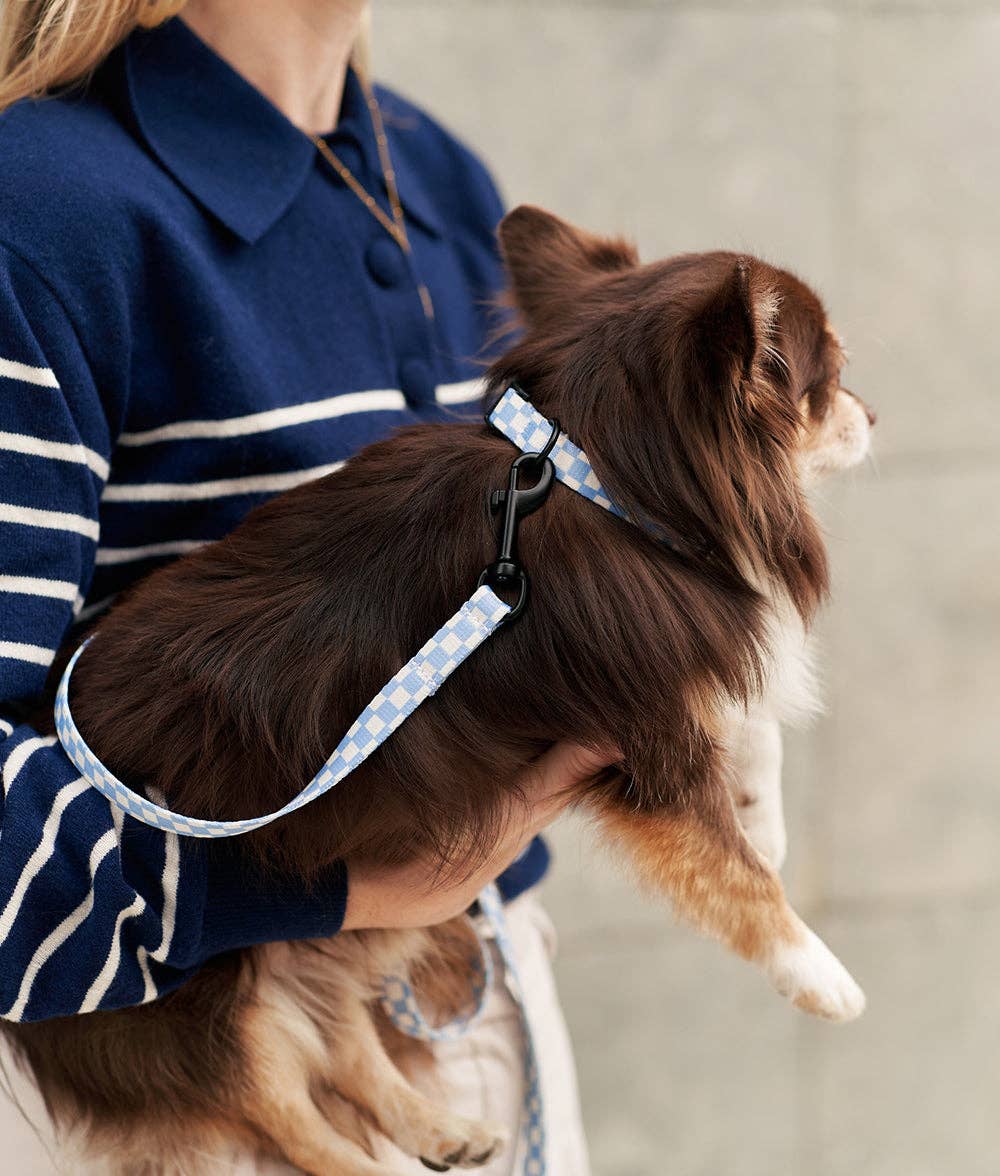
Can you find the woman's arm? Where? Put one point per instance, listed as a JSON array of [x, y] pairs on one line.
[[413, 896], [96, 911]]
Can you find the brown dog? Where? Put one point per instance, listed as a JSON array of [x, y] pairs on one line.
[[706, 391]]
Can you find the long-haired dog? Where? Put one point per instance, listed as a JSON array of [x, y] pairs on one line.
[[706, 391]]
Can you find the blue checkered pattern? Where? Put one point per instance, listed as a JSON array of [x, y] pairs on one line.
[[395, 702], [522, 423], [533, 1113], [402, 1008], [400, 1005]]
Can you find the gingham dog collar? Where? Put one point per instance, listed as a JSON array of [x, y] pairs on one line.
[[530, 431], [522, 423]]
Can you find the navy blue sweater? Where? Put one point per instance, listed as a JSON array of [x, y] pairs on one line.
[[195, 314]]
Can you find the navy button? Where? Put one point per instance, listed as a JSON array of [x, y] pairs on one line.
[[386, 262], [416, 381]]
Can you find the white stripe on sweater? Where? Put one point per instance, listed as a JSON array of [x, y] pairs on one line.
[[43, 376], [6, 728], [37, 586], [95, 609], [97, 990], [385, 400], [120, 555], [221, 488], [102, 982], [56, 450], [149, 989], [37, 655], [374, 400], [42, 852], [170, 882], [19, 757], [463, 393], [56, 938], [56, 520], [171, 879]]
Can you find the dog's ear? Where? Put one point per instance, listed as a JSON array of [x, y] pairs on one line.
[[732, 323], [547, 259]]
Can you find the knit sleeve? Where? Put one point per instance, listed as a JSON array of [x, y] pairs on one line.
[[54, 838], [96, 910], [54, 450]]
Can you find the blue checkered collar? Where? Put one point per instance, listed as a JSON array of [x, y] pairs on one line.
[[520, 422]]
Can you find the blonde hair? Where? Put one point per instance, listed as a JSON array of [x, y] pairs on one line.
[[50, 43]]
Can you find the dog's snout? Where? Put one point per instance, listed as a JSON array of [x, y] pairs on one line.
[[869, 412]]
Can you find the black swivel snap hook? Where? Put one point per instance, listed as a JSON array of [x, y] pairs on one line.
[[517, 502]]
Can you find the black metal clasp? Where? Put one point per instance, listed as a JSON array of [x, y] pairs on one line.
[[517, 502]]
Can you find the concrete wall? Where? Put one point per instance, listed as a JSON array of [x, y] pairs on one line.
[[856, 143]]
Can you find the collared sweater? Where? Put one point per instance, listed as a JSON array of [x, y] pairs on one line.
[[195, 314]]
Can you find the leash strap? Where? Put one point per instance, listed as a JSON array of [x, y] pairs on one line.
[[400, 1004], [477, 619], [532, 1110], [399, 1001], [394, 703]]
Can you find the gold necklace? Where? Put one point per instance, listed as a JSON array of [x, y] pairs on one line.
[[396, 228]]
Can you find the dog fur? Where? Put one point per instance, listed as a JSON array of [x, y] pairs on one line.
[[706, 390]]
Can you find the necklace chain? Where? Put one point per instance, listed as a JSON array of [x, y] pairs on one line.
[[396, 227]]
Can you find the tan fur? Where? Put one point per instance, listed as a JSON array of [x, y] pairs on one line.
[[720, 884], [312, 1036], [715, 879]]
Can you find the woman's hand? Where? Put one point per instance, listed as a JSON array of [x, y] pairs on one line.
[[411, 895]]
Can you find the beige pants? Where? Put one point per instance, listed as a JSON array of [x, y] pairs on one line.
[[482, 1072]]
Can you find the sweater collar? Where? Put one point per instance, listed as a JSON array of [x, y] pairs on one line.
[[227, 144]]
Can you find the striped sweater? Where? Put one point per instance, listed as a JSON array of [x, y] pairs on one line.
[[194, 314]]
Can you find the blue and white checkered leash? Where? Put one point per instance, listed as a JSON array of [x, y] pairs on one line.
[[477, 619]]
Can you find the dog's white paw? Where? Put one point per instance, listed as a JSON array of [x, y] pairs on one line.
[[764, 827], [461, 1143], [814, 980]]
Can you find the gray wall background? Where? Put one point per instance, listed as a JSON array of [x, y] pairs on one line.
[[856, 143]]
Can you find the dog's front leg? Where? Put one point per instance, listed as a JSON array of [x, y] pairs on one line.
[[360, 1069], [283, 1066], [695, 853], [753, 739]]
